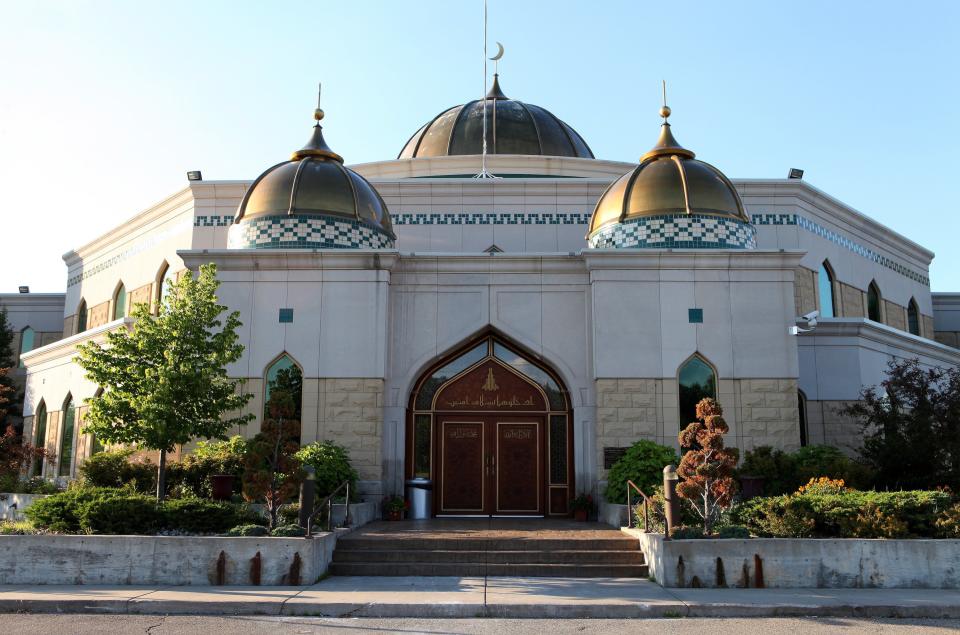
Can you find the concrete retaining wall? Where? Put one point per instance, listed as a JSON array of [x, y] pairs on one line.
[[166, 560], [802, 563], [12, 505]]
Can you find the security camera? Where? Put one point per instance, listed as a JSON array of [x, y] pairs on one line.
[[811, 316]]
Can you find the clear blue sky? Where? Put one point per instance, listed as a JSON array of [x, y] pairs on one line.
[[105, 105]]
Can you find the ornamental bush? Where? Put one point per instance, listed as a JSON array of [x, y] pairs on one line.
[[62, 512], [288, 531], [657, 515], [948, 524], [642, 463], [113, 468], [198, 516], [784, 472], [249, 530], [122, 514], [332, 465]]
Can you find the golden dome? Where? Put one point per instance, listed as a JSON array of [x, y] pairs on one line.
[[668, 180]]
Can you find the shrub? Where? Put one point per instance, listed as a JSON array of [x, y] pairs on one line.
[[62, 512], [200, 516], [874, 522], [249, 530], [658, 517], [113, 468], [288, 531], [121, 514], [332, 465], [16, 528], [776, 468], [706, 469], [642, 463], [687, 532], [823, 485], [290, 514], [948, 523], [733, 531], [34, 485], [191, 476], [814, 461]]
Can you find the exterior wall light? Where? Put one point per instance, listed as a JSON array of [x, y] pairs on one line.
[[24, 289], [194, 175], [795, 173]]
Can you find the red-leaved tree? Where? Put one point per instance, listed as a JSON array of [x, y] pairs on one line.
[[707, 468]]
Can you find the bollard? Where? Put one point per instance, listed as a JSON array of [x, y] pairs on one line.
[[308, 490], [671, 504]]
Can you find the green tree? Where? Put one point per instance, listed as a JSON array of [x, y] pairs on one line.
[[165, 382], [9, 399], [911, 426]]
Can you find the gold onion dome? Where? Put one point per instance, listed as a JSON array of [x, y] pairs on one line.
[[513, 127], [314, 184], [669, 181]]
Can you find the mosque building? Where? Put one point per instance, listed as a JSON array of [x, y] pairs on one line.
[[508, 337]]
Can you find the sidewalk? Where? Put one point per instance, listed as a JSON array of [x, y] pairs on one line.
[[480, 597]]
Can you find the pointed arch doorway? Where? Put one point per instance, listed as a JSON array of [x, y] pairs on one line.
[[492, 428]]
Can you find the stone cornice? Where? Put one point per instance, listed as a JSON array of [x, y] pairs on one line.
[[559, 167], [290, 259], [840, 331], [692, 259], [32, 300], [68, 345], [840, 211]]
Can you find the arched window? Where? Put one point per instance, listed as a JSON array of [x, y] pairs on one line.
[[82, 316], [802, 407], [283, 395], [825, 284], [27, 337], [120, 302], [66, 437], [697, 380], [39, 436], [873, 303], [95, 444], [913, 317], [164, 280]]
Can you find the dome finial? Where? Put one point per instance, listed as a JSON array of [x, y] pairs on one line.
[[665, 109], [318, 113]]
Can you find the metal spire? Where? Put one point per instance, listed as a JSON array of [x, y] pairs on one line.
[[484, 174]]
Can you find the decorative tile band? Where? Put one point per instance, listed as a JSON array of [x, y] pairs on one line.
[[213, 221], [491, 218], [306, 232], [677, 231], [843, 241]]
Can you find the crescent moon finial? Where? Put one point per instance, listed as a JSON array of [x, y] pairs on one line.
[[499, 52]]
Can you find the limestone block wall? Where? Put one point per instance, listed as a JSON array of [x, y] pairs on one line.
[[825, 425], [950, 338], [895, 315], [805, 290], [926, 326], [851, 301], [758, 411]]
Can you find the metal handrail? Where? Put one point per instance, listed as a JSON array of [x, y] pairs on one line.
[[328, 503], [646, 507]]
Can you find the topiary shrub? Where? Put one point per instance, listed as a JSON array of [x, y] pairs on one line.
[[642, 463], [332, 465], [195, 515], [288, 531], [122, 514], [249, 530], [733, 531]]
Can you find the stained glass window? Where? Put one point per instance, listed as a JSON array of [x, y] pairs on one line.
[[283, 397], [913, 317], [438, 378], [422, 445], [40, 436], [697, 381], [66, 437], [120, 303]]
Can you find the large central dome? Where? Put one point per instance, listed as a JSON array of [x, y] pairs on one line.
[[513, 127]]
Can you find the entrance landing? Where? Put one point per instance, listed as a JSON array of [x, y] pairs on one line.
[[488, 547]]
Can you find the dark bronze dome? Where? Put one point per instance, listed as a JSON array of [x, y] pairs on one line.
[[312, 201], [513, 127]]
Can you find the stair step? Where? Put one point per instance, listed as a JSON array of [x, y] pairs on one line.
[[423, 556], [481, 544], [460, 569]]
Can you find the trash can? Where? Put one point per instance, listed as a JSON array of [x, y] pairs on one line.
[[420, 497]]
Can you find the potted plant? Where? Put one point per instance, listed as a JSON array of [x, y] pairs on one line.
[[394, 506], [582, 506]]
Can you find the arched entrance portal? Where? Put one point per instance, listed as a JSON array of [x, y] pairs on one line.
[[492, 428]]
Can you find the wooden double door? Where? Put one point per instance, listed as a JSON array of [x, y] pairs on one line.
[[490, 464]]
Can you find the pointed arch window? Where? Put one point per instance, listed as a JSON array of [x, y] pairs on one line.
[[913, 317], [164, 282], [66, 437], [27, 341], [697, 380], [802, 412], [82, 316], [39, 436], [120, 302], [825, 288], [96, 445], [873, 303], [283, 395]]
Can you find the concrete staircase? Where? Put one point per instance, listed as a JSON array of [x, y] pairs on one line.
[[594, 554]]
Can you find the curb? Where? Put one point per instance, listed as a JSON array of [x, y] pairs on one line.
[[467, 610]]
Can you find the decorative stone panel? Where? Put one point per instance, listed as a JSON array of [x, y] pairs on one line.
[[851, 301], [825, 425], [804, 290], [306, 232], [627, 410], [895, 315], [141, 295], [678, 231], [950, 338], [69, 325], [926, 326], [99, 315], [766, 413]]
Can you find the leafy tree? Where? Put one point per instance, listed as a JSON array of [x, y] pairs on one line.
[[9, 401], [272, 471], [911, 426], [707, 468], [331, 463], [17, 455], [165, 382]]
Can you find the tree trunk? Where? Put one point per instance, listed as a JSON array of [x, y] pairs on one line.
[[162, 476]]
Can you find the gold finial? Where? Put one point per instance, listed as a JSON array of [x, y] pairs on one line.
[[318, 113], [665, 109]]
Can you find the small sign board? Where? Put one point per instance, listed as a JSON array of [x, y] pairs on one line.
[[611, 456]]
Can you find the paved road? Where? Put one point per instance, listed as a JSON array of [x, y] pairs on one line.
[[189, 625]]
